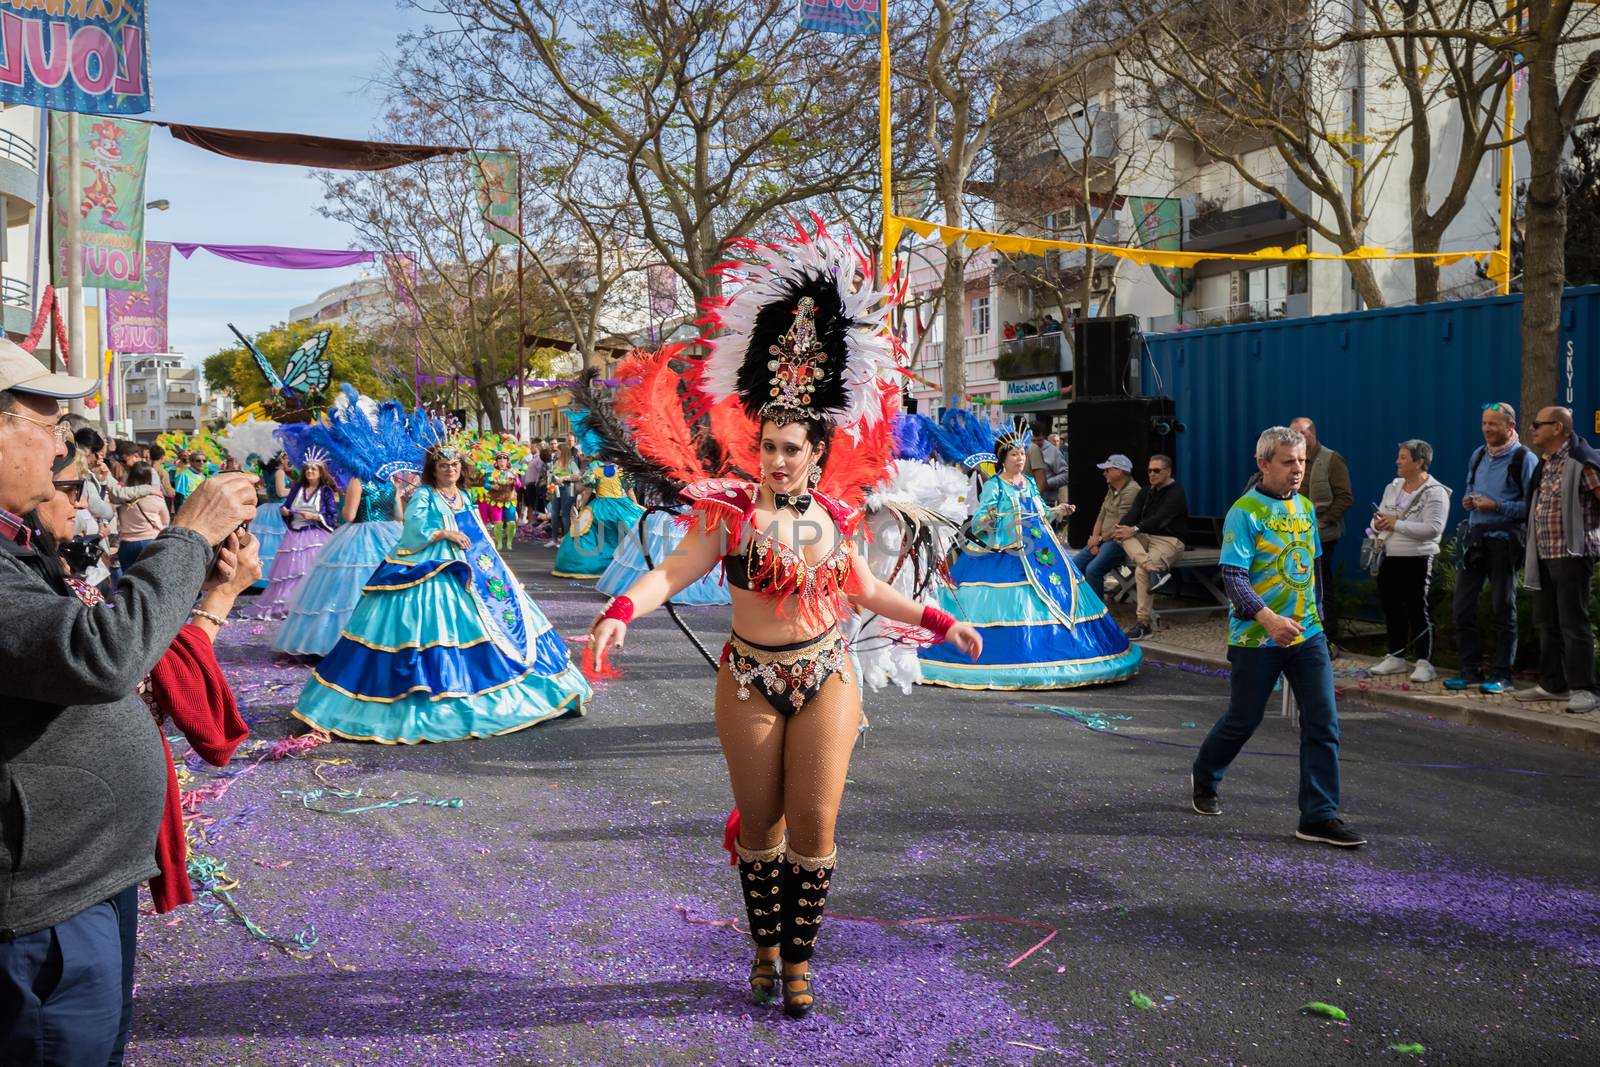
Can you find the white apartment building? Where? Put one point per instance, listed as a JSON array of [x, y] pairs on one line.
[[1109, 133], [160, 393], [22, 204], [363, 303], [925, 325]]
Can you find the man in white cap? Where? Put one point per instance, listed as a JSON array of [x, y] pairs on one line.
[[83, 776], [1102, 554]]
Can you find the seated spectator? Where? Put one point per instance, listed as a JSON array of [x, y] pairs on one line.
[[1103, 553], [80, 755], [1410, 522], [1151, 534], [1490, 547]]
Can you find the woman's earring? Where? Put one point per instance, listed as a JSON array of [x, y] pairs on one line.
[[814, 476]]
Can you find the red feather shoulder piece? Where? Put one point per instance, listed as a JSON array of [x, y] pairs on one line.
[[722, 503]]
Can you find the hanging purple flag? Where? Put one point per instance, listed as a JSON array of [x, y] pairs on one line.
[[858, 17], [139, 320]]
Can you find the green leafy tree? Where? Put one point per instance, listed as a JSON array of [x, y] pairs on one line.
[[358, 360]]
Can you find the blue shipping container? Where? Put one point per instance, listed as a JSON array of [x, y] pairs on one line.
[[1369, 380]]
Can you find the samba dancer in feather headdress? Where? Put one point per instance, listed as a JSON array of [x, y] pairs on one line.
[[378, 450], [794, 393], [1042, 626]]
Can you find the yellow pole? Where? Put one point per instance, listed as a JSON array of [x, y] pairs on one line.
[[1507, 180], [891, 225]]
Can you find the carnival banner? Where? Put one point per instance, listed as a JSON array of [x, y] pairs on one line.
[[858, 17], [110, 211], [1159, 222], [497, 194], [75, 56], [138, 321]]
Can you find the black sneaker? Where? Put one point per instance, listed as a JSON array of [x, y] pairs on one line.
[[1330, 832], [1140, 631], [1204, 800]]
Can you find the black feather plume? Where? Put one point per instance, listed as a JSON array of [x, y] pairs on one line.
[[650, 479], [773, 321]]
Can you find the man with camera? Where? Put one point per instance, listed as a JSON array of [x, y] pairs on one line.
[[82, 769]]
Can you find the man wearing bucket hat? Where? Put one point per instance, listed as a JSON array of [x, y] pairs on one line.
[[82, 772], [1102, 554]]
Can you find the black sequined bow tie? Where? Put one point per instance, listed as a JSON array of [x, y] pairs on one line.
[[799, 502]]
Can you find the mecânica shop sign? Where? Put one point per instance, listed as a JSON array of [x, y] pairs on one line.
[[1029, 390], [75, 55]]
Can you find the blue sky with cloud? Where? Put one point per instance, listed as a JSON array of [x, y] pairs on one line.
[[291, 65]]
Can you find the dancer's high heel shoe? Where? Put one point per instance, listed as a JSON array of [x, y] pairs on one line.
[[764, 980], [797, 995]]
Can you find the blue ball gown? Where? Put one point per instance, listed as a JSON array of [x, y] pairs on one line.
[[1042, 626], [326, 597], [662, 534], [614, 513], [445, 644], [268, 529]]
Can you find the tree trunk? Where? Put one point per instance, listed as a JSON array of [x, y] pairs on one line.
[[1366, 283], [1544, 235], [953, 379]]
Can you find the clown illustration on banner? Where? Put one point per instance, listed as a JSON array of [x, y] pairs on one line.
[[113, 154]]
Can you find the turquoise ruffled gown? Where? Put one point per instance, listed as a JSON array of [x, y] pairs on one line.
[[268, 529], [662, 534], [614, 513], [326, 598], [444, 645], [1042, 626]]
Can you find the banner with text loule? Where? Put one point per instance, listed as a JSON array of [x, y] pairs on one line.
[[138, 321], [856, 17], [75, 55], [113, 154]]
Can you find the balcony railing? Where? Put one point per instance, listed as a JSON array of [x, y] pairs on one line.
[[1293, 306], [16, 293], [18, 150], [1029, 357], [1238, 211]]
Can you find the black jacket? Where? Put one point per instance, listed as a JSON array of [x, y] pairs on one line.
[[1160, 512]]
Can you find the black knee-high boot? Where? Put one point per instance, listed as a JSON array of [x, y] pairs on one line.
[[805, 895], [761, 878]]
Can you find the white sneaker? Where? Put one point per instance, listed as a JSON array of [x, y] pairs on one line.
[[1388, 665], [1582, 701], [1424, 672], [1537, 693]]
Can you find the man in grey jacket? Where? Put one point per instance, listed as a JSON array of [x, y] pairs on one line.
[[82, 772]]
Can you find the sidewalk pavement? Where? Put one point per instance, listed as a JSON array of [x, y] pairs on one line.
[[1202, 641]]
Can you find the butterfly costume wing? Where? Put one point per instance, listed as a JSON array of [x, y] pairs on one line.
[[267, 370], [309, 370]]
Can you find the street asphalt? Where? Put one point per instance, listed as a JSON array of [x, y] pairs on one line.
[[563, 912]]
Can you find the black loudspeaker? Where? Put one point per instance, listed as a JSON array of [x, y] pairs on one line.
[[1103, 351], [909, 405], [1136, 426]]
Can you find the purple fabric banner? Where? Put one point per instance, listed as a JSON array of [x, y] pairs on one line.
[[278, 256], [138, 321]]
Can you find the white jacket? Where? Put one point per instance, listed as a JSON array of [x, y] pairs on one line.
[[1419, 532]]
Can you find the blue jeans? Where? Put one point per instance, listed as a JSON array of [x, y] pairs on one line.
[[128, 553], [61, 991], [561, 510], [1096, 567], [1310, 675]]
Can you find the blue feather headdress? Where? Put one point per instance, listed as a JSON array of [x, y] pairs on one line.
[[962, 438], [373, 442], [911, 437]]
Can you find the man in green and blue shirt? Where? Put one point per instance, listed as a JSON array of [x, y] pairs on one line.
[[1270, 548]]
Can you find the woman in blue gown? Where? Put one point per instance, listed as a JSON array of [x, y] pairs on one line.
[[370, 446], [662, 534], [445, 644], [1042, 626], [267, 527]]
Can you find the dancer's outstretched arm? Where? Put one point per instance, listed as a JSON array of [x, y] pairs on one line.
[[694, 557], [879, 597]]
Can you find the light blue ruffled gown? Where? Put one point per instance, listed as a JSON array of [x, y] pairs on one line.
[[1042, 626], [268, 529], [325, 598], [662, 534], [444, 645]]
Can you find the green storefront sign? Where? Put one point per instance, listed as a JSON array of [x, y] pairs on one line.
[[1031, 390]]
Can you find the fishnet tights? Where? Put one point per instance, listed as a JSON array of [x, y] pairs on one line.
[[788, 772]]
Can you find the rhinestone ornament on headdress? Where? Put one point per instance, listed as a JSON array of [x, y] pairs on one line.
[[796, 366], [1019, 436], [317, 457]]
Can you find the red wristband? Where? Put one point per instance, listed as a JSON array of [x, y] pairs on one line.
[[937, 622], [620, 608]]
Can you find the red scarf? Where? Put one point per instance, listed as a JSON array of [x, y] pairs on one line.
[[188, 687]]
